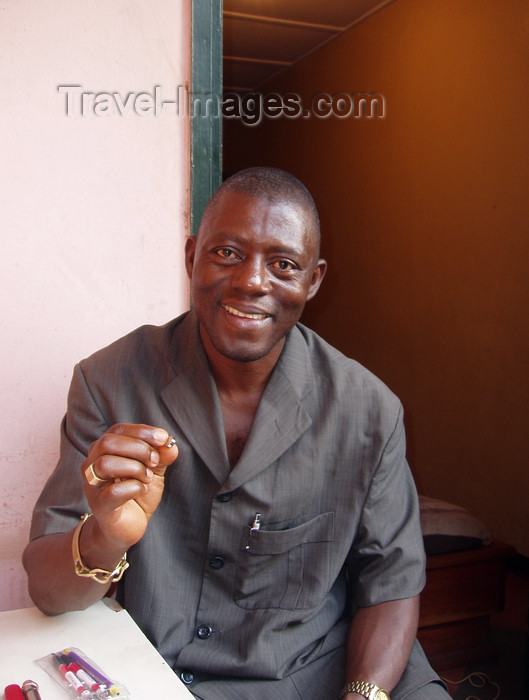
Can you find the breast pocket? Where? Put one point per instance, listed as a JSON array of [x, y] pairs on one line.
[[287, 569]]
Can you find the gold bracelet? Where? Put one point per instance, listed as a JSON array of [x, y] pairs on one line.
[[99, 575]]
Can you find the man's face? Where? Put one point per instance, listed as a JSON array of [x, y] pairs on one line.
[[252, 267]]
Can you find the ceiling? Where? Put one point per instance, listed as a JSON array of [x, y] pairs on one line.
[[264, 37]]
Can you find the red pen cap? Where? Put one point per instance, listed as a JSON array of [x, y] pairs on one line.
[[83, 676], [13, 692]]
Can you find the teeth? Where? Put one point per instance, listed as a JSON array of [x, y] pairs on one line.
[[235, 312]]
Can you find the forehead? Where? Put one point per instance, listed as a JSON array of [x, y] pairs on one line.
[[251, 218]]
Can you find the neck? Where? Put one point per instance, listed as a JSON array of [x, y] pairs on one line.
[[234, 377]]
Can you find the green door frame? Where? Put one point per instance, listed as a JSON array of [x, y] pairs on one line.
[[206, 121]]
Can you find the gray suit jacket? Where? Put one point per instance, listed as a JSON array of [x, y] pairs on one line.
[[325, 468]]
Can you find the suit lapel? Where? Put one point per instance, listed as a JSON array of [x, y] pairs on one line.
[[193, 401], [281, 417]]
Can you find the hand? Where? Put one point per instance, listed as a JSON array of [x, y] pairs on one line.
[[131, 460]]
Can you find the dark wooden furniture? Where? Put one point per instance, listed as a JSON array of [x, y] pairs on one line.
[[462, 590]]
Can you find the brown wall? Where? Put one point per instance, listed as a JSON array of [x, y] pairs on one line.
[[426, 229]]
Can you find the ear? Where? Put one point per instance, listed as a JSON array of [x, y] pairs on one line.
[[190, 250], [317, 277]]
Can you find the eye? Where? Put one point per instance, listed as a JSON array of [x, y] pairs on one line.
[[283, 265], [226, 254]]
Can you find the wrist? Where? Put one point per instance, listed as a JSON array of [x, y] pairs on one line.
[[93, 556], [95, 542], [363, 689]]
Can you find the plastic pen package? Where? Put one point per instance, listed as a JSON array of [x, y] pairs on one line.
[[80, 676]]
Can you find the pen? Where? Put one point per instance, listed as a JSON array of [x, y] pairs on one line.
[[93, 686], [83, 676], [71, 678], [30, 690], [92, 672], [254, 527]]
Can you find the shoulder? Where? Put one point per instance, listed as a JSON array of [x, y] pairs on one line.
[[131, 350], [341, 374]]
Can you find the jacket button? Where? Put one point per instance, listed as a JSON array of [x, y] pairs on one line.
[[216, 562], [224, 497], [204, 632], [187, 677]]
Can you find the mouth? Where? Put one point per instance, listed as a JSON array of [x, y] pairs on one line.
[[242, 314]]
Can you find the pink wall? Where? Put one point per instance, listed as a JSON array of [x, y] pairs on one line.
[[93, 218]]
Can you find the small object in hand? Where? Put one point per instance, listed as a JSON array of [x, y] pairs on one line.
[[92, 477], [171, 441]]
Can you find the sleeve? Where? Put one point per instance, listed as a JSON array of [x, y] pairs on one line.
[[62, 500], [387, 560]]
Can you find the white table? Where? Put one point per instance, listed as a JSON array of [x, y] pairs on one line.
[[108, 635]]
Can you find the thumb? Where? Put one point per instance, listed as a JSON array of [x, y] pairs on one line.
[[168, 454]]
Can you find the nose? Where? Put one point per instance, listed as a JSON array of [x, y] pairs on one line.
[[251, 277]]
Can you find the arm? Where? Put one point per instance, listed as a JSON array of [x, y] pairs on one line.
[[131, 459], [386, 563], [380, 641]]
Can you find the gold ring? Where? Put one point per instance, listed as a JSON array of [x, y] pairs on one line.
[[92, 477]]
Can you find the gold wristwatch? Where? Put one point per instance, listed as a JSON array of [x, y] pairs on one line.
[[368, 690]]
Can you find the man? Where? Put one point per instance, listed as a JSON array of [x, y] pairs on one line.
[[280, 555]]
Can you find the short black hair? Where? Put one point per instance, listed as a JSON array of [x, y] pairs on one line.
[[273, 184]]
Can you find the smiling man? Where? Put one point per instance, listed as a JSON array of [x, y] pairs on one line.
[[253, 265], [251, 478]]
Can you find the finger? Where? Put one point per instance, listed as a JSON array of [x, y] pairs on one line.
[[107, 502], [93, 478], [110, 468], [168, 453], [119, 445], [156, 437], [126, 451]]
